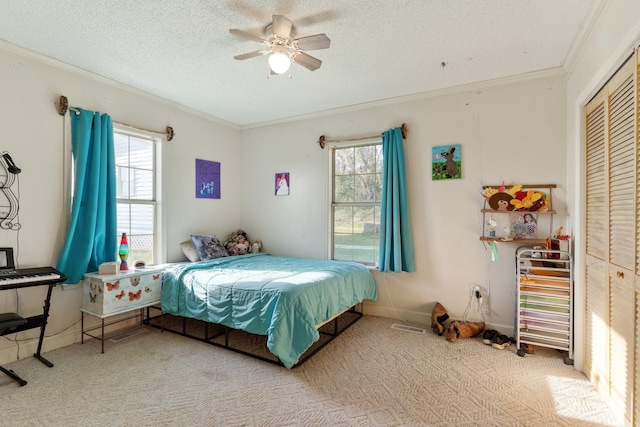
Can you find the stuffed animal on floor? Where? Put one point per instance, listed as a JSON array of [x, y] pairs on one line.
[[438, 317], [461, 329]]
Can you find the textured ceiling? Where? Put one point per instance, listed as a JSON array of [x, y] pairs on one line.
[[181, 50]]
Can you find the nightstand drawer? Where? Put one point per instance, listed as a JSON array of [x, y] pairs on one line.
[[121, 292]]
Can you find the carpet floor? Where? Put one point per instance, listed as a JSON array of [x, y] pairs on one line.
[[371, 375]]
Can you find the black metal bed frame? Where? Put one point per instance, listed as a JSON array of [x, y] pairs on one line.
[[221, 335]]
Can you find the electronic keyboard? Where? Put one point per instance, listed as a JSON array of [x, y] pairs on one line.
[[14, 278]]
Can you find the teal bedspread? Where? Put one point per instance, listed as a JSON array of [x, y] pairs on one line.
[[283, 298]]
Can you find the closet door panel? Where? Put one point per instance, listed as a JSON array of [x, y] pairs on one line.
[[596, 188], [622, 167], [622, 340], [596, 364]]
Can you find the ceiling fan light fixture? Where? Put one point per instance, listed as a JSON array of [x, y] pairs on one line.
[[279, 62], [282, 47]]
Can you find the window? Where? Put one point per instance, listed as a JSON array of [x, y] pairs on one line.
[[135, 158], [357, 189]]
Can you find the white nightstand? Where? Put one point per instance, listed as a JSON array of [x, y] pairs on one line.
[[107, 295]]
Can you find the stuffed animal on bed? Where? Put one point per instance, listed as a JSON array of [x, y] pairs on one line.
[[238, 243]]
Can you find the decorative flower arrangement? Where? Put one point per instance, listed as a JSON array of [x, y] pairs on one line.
[[514, 199]]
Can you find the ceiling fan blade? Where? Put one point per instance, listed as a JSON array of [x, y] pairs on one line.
[[318, 41], [248, 36], [251, 54], [307, 61], [281, 26]]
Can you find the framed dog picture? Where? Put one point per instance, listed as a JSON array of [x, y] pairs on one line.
[[446, 162]]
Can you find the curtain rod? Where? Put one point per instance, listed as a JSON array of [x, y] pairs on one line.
[[322, 140], [63, 107]]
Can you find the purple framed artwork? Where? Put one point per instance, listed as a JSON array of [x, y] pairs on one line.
[[207, 179], [282, 184]]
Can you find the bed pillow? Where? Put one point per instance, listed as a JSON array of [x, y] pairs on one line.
[[189, 250], [208, 247]]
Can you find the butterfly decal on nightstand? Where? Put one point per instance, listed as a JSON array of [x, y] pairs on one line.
[[92, 297], [94, 286], [114, 285], [135, 281], [156, 276], [147, 289], [135, 296], [120, 295]]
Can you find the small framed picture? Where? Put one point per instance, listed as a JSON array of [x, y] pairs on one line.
[[524, 225], [207, 179], [282, 184], [446, 162]]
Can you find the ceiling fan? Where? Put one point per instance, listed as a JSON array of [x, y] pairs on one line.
[[282, 46]]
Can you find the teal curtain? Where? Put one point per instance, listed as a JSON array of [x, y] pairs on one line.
[[92, 234], [396, 241]]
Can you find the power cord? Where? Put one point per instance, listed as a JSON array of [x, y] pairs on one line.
[[391, 301], [475, 295]]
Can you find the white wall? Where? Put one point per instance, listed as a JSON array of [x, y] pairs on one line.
[[612, 39], [36, 135], [509, 130]]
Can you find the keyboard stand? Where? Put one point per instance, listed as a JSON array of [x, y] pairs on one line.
[[38, 321], [45, 316]]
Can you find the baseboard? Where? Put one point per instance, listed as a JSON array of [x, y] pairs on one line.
[[422, 319], [26, 349], [402, 315]]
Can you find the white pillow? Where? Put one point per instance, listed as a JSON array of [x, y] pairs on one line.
[[189, 250]]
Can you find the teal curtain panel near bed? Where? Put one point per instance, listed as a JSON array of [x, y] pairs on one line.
[[92, 234], [396, 241]]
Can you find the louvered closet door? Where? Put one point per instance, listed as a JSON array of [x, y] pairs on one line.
[[612, 238], [622, 235], [596, 363]]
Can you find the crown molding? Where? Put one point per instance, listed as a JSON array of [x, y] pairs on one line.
[[583, 35], [55, 63], [476, 86]]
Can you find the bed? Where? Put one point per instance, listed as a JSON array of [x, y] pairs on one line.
[[285, 299]]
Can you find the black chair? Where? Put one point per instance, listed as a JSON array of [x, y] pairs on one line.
[[10, 321]]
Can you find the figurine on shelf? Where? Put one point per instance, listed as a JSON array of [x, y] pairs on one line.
[[492, 227], [507, 233]]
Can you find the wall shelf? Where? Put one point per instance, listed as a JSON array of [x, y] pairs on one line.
[[547, 188]]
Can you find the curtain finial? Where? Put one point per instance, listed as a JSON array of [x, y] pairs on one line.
[[63, 105]]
